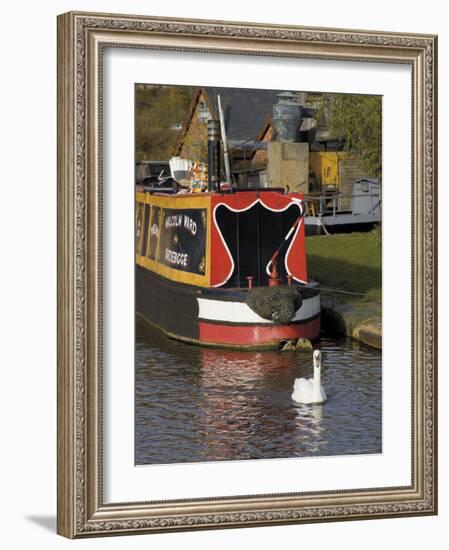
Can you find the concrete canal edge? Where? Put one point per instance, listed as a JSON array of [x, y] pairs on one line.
[[359, 320]]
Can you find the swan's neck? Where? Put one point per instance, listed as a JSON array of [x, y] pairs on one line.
[[317, 376]]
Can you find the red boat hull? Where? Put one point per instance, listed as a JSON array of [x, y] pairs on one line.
[[257, 335]]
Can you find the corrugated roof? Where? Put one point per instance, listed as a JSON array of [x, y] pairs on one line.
[[244, 110]]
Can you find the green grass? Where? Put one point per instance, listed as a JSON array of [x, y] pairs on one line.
[[350, 262]]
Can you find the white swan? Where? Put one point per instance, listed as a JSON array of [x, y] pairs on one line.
[[310, 391]]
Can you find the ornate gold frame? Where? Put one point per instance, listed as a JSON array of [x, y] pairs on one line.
[[81, 37]]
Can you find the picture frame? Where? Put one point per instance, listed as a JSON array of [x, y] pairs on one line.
[[82, 39]]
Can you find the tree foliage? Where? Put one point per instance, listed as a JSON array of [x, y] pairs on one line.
[[159, 112], [358, 119]]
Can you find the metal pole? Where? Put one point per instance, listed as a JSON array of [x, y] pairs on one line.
[[213, 149], [225, 142]]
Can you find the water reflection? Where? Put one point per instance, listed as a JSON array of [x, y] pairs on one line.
[[198, 404], [308, 426]]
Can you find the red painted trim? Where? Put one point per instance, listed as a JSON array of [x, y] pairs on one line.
[[252, 335]]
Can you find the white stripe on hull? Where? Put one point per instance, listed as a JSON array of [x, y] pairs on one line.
[[239, 312]]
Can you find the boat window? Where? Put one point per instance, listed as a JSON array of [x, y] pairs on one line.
[[146, 230], [139, 227], [154, 230]]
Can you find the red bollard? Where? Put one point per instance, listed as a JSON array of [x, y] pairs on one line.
[[274, 279]]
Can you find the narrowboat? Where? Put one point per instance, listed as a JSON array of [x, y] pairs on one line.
[[225, 267]]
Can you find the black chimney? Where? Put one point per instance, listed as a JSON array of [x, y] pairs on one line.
[[213, 150]]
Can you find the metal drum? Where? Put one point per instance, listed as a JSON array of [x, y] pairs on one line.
[[287, 116]]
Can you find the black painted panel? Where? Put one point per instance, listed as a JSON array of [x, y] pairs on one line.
[[252, 237], [171, 306]]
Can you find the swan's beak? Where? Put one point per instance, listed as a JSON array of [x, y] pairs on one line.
[[317, 354]]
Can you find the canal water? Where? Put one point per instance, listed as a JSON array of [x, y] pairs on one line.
[[196, 404]]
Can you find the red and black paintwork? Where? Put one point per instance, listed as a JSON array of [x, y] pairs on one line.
[[195, 254], [246, 229]]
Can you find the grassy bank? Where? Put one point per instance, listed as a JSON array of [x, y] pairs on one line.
[[350, 262]]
